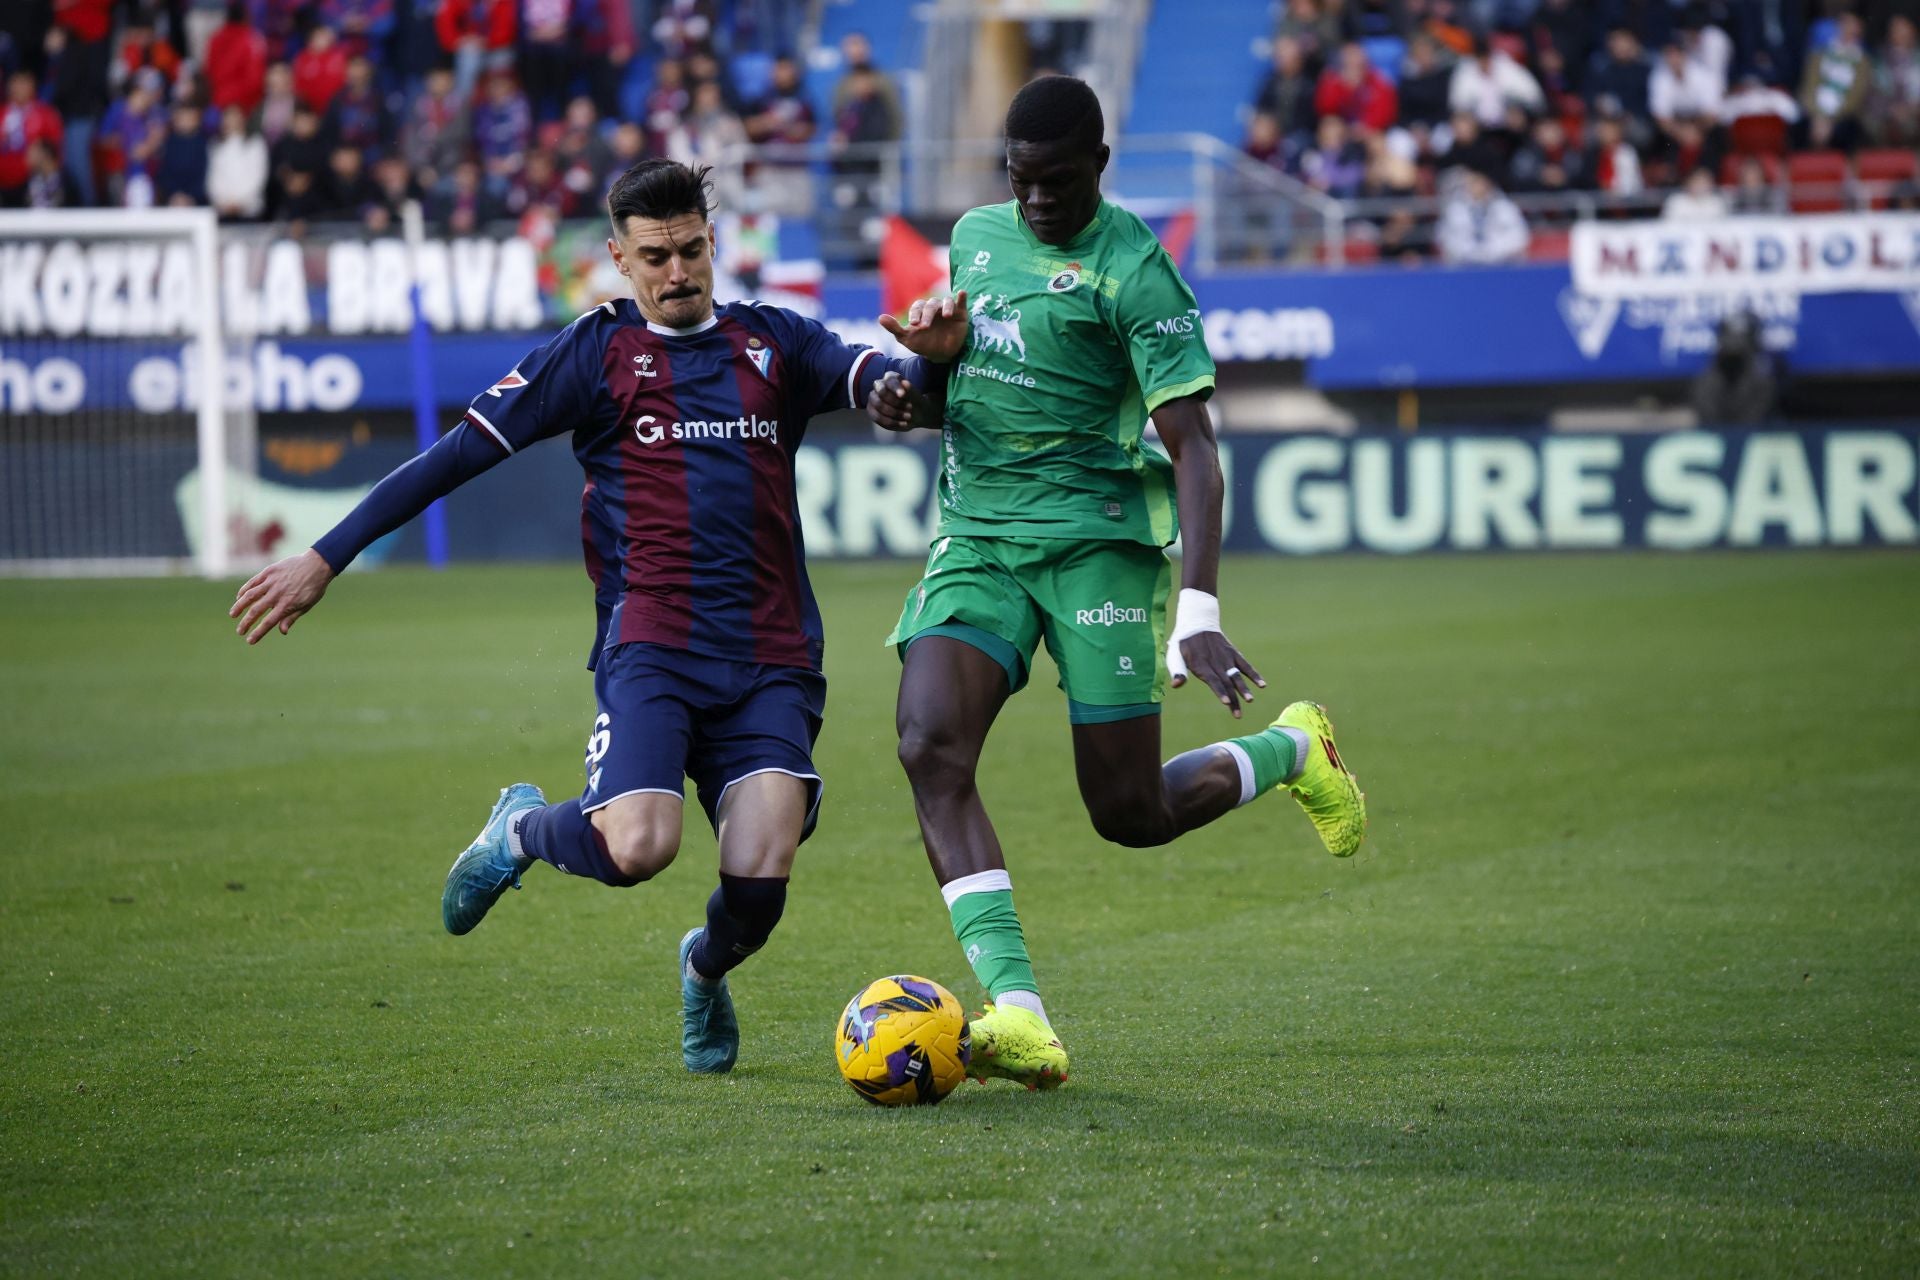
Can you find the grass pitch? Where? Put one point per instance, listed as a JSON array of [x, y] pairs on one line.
[[1624, 982]]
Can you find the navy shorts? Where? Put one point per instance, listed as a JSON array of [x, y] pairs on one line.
[[667, 715]]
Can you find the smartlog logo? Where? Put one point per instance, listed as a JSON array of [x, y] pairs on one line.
[[1108, 615]]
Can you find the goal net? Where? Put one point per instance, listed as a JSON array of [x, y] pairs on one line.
[[117, 453]]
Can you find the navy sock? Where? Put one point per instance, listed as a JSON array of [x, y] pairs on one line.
[[740, 917], [563, 835]]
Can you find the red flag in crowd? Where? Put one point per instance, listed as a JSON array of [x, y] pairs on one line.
[[909, 267]]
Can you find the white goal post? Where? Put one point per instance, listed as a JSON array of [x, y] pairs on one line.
[[95, 305]]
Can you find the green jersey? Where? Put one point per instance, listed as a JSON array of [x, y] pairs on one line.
[[1071, 347]]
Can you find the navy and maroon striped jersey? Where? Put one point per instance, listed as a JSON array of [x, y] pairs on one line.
[[689, 516]]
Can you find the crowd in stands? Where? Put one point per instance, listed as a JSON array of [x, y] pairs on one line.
[[343, 110], [1683, 109]]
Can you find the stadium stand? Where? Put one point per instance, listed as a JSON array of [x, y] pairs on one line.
[[501, 107]]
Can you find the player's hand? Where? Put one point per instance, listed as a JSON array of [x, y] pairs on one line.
[[1210, 656], [936, 328], [278, 594], [894, 405]]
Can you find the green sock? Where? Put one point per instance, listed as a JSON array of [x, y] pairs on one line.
[[1274, 755], [989, 933]]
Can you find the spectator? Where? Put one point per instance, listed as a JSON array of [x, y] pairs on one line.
[[1390, 171], [1425, 83], [683, 26], [625, 149], [713, 135], [320, 70], [363, 25], [466, 207], [704, 68], [1264, 143], [1316, 31], [393, 186], [1335, 164], [1679, 88], [438, 134], [360, 116], [1356, 92], [1892, 113], [1708, 47], [1288, 91], [1404, 240], [236, 62], [131, 133], [865, 117], [278, 103], [1752, 97], [1695, 144], [666, 102], [546, 57], [1737, 387], [1565, 27], [1548, 161], [476, 34], [580, 154], [181, 174], [301, 186], [1480, 225], [1621, 75], [1834, 87], [1612, 160], [237, 169], [278, 21], [76, 87], [1753, 194], [1697, 200], [604, 42], [49, 186], [142, 48], [784, 118], [860, 77], [24, 120], [1557, 84], [1469, 147], [1484, 84], [502, 127], [350, 189], [541, 186]]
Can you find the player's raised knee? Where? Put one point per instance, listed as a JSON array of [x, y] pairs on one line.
[[640, 843], [1125, 821]]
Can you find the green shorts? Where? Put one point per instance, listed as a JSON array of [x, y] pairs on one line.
[[1100, 606]]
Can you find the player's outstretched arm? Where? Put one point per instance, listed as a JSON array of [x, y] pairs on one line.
[[1197, 645], [280, 594], [896, 404], [935, 328]]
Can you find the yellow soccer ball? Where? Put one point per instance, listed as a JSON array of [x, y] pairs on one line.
[[903, 1041]]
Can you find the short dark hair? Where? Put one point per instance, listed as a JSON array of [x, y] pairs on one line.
[[1057, 109], [659, 190]]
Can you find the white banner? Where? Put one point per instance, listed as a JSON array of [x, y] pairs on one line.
[[1826, 253]]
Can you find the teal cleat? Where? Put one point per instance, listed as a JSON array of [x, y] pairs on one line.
[[709, 1037], [483, 872]]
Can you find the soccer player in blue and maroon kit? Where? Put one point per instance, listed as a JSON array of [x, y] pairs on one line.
[[706, 659]]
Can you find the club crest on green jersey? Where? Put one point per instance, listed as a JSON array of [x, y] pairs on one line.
[[1065, 280]]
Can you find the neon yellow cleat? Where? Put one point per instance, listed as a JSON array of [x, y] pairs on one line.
[[1325, 789], [1014, 1044]]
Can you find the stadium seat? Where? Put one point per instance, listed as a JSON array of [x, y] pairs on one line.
[[1553, 245], [1770, 165], [1816, 181], [1386, 53], [1880, 171], [1758, 135]]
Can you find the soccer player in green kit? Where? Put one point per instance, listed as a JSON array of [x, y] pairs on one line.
[[1053, 519]]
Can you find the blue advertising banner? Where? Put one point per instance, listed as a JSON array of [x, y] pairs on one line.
[[1353, 329], [1292, 494]]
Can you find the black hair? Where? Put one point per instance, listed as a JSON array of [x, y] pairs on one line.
[[659, 191], [1056, 109]]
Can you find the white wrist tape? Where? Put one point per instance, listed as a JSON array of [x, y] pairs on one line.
[[1196, 612]]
